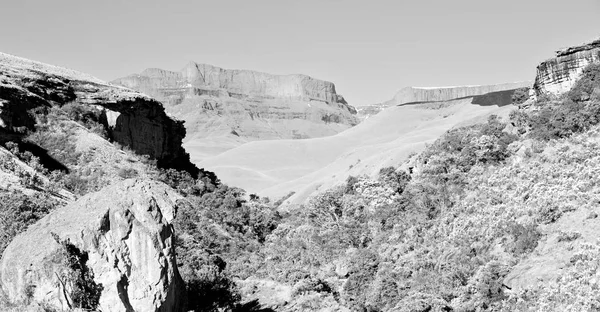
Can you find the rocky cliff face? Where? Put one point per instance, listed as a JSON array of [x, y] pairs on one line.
[[435, 94], [557, 75], [124, 238], [236, 82], [216, 102], [29, 88]]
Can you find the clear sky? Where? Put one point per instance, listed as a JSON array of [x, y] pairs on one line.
[[369, 49]]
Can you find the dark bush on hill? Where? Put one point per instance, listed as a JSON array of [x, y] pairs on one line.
[[520, 95]]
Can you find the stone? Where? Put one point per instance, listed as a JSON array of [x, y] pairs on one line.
[[126, 231], [557, 75]]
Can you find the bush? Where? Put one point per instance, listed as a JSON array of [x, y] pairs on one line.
[[18, 211], [520, 96], [84, 291]]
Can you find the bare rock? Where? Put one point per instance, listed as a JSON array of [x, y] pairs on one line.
[[435, 94], [557, 75], [244, 105], [125, 233]]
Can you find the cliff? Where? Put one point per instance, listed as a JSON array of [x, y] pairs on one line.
[[28, 89], [557, 75], [241, 82], [121, 236], [242, 105], [435, 94]]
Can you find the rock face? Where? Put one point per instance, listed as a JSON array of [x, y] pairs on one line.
[[126, 231], [557, 75], [28, 88], [435, 94], [246, 105]]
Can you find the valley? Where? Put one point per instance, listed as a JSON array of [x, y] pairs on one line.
[[210, 189]]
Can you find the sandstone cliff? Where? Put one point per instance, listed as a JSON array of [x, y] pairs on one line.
[[557, 75], [435, 94], [243, 105], [29, 88], [122, 235]]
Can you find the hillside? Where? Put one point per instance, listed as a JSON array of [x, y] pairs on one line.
[[275, 168], [224, 108]]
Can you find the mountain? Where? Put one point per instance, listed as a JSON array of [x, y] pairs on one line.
[[412, 95], [225, 108], [275, 168], [435, 94]]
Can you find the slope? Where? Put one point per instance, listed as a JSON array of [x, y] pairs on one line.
[[275, 168]]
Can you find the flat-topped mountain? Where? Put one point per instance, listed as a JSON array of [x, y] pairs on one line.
[[413, 95], [237, 106], [433, 94]]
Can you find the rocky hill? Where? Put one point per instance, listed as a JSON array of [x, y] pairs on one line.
[[557, 75], [237, 106], [28, 89]]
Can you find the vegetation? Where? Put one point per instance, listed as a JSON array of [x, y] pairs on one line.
[[443, 237], [84, 291]]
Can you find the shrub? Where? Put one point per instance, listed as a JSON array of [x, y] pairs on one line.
[[520, 96], [524, 238], [18, 211], [568, 236], [84, 291]]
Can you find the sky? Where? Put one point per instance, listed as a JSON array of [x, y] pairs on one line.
[[369, 49]]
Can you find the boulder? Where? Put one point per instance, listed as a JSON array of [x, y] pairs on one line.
[[122, 236]]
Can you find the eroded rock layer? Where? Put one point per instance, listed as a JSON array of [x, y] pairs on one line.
[[125, 235], [436, 94], [29, 88], [246, 105], [557, 75]]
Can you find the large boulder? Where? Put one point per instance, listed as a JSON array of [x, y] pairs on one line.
[[123, 241]]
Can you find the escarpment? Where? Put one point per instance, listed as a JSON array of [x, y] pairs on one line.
[[245, 105], [557, 75], [121, 237], [435, 94], [28, 89]]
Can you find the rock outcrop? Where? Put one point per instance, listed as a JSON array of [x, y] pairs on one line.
[[244, 105], [124, 236], [557, 75], [29, 88], [435, 94]]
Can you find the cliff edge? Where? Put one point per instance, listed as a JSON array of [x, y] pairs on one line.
[[28, 89], [557, 75]]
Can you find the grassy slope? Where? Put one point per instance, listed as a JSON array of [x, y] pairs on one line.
[[274, 168]]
